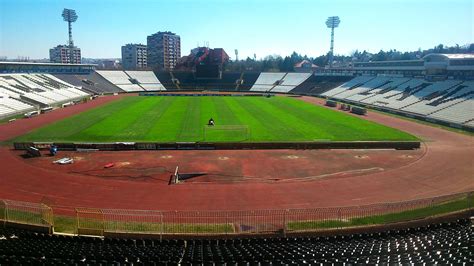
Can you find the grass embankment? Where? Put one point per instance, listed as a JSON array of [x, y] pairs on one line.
[[7, 119], [440, 209], [66, 224]]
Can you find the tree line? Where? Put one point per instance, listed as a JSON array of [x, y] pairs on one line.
[[286, 64]]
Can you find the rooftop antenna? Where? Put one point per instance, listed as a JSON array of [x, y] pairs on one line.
[[70, 16], [332, 23]]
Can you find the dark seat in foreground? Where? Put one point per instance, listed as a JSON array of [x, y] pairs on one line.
[[442, 243]]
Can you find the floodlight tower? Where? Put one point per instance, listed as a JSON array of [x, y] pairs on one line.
[[70, 16], [332, 22]]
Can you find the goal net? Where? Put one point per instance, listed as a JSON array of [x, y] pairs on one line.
[[227, 133]]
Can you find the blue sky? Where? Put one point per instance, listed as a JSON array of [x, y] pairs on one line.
[[31, 27]]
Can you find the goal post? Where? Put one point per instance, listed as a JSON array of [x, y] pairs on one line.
[[227, 133]]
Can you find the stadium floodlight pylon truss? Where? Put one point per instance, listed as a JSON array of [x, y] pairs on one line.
[[70, 16], [332, 23]]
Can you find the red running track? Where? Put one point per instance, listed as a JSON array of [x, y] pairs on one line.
[[445, 165]]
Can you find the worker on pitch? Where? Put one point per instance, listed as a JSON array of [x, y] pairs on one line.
[[53, 150], [211, 122]]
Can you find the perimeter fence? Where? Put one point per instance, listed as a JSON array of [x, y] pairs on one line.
[[90, 221], [225, 222], [36, 214], [238, 139]]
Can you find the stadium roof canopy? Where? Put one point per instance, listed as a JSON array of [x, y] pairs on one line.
[[305, 62], [41, 64], [448, 56], [32, 67]]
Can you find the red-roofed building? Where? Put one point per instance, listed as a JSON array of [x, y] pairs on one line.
[[305, 66], [202, 56]]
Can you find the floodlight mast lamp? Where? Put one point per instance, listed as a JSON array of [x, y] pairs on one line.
[[332, 23], [70, 16]]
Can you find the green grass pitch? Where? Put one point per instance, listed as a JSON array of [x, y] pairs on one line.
[[183, 118]]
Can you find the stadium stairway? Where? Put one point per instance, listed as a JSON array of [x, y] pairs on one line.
[[248, 79], [167, 80], [183, 80], [239, 81]]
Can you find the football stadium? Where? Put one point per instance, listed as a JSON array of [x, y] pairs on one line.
[[370, 163]]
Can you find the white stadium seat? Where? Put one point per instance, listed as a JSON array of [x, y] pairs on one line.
[[115, 77], [266, 81], [153, 87], [353, 82], [144, 76], [121, 80], [449, 100], [461, 112], [10, 106], [290, 81], [130, 87], [42, 89], [147, 80], [295, 79]]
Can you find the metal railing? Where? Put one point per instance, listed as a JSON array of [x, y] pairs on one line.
[[270, 221], [36, 214], [119, 221]]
